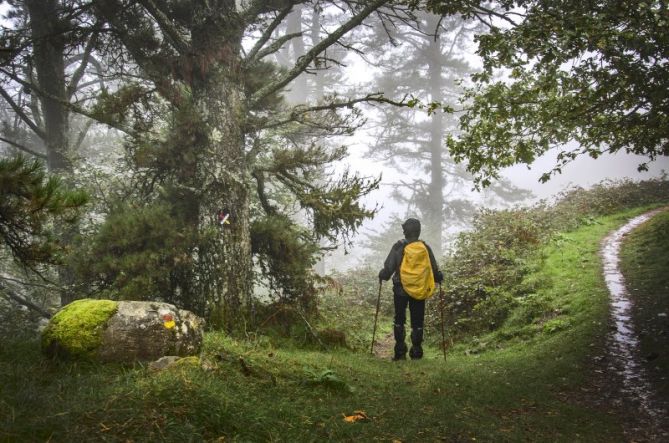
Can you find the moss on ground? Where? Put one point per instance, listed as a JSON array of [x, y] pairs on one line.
[[76, 330]]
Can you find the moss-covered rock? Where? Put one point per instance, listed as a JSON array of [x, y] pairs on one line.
[[124, 331], [76, 330]]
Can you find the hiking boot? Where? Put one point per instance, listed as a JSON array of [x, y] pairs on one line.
[[416, 351], [400, 351], [400, 346]]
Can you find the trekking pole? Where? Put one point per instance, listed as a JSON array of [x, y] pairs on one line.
[[443, 332], [376, 316]]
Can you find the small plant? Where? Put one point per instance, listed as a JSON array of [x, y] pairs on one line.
[[555, 325], [328, 379]]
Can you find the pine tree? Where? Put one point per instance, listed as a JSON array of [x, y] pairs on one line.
[[46, 71], [433, 187], [30, 204], [218, 134]]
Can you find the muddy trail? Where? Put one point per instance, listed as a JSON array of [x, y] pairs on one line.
[[620, 383]]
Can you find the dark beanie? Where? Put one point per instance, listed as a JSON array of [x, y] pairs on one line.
[[411, 227]]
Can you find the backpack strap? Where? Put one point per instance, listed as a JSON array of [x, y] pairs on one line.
[[400, 255]]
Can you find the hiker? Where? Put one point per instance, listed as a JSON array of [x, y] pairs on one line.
[[408, 263]]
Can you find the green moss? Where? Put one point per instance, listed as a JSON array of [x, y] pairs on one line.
[[76, 330], [192, 361]]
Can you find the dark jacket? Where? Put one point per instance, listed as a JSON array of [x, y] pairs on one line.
[[391, 266]]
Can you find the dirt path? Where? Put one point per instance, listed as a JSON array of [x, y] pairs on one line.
[[384, 346], [620, 383]]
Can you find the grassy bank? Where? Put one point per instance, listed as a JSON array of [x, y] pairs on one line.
[[521, 383], [644, 263]]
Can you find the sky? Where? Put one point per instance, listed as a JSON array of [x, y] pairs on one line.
[[584, 171]]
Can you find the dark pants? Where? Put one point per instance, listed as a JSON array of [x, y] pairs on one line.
[[417, 316]]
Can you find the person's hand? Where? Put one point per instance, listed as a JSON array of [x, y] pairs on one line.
[[381, 276], [439, 277]]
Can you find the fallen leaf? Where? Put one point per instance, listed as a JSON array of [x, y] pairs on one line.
[[357, 416]]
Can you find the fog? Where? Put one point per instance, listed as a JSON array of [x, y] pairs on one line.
[[583, 172]]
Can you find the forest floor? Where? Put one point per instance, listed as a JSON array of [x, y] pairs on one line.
[[543, 382]]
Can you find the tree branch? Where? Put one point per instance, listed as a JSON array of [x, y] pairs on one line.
[[72, 107], [20, 112], [22, 301], [82, 134], [299, 110], [304, 61], [262, 196], [79, 73], [493, 13], [169, 30], [267, 34], [23, 148], [275, 46]]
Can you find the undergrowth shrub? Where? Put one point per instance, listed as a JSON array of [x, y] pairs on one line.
[[577, 206], [138, 254], [484, 273], [349, 305], [285, 255]]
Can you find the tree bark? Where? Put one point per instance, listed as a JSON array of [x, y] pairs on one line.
[[224, 261], [49, 62]]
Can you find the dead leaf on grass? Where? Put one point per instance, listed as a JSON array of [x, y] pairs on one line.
[[357, 416]]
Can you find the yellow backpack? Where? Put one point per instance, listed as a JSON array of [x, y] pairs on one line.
[[416, 271]]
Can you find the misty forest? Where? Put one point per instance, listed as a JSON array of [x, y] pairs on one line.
[[287, 220]]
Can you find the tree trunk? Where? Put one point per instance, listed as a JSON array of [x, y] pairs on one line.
[[48, 35], [48, 59], [434, 212], [319, 78], [298, 88], [224, 274]]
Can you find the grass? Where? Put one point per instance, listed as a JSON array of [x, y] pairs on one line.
[[644, 263], [522, 383]]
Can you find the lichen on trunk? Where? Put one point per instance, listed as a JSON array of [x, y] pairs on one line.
[[224, 264]]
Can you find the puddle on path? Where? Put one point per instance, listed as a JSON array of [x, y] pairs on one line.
[[623, 341]]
